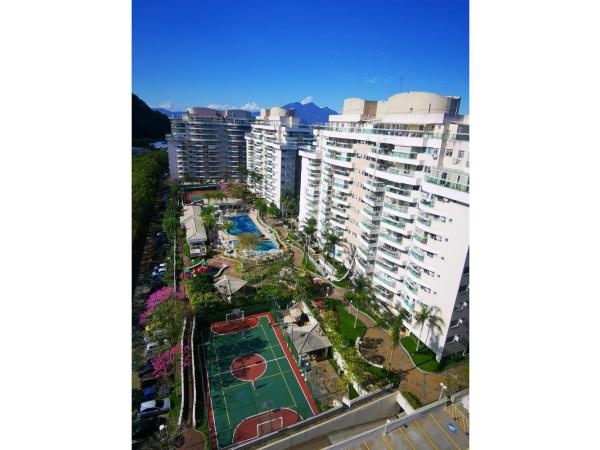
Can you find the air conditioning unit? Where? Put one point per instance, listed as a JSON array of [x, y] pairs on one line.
[[456, 161]]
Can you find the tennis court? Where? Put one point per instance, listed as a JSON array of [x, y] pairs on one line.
[[254, 386], [194, 196]]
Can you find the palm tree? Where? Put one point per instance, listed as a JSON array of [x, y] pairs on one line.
[[228, 225], [208, 218], [248, 241], [332, 238], [310, 228], [394, 334], [429, 315]]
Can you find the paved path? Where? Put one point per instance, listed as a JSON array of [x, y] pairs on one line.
[[424, 385]]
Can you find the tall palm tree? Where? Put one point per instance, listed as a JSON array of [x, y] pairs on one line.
[[428, 315], [208, 218], [228, 225], [309, 231], [394, 334], [332, 238]]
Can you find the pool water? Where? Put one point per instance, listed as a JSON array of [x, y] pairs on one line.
[[244, 224]]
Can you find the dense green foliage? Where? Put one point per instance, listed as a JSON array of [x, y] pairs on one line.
[[146, 175], [147, 125]]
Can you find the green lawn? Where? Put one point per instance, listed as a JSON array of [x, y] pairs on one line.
[[424, 359], [346, 324]]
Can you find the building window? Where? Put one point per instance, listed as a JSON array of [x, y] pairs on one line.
[[448, 152]]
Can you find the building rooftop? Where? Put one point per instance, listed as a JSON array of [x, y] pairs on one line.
[[227, 285]]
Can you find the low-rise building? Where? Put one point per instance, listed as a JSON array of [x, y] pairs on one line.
[[195, 233]]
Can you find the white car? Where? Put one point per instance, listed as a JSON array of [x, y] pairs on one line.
[[154, 408]]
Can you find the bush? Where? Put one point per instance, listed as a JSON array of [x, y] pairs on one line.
[[410, 398]]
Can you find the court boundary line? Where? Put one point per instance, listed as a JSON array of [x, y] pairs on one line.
[[279, 367], [264, 412], [208, 395], [293, 365], [264, 361]]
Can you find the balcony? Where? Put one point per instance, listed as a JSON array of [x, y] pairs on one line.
[[387, 281], [374, 186], [372, 200], [416, 254], [424, 220]]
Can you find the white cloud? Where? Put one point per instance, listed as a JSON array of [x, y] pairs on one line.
[[167, 105], [220, 107], [250, 106], [371, 80], [308, 99]]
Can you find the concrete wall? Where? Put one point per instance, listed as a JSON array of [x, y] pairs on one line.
[[381, 408]]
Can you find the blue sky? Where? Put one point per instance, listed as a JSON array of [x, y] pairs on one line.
[[261, 53]]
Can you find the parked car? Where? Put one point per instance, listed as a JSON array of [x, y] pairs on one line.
[[146, 368], [154, 408], [148, 380], [151, 392], [145, 427]]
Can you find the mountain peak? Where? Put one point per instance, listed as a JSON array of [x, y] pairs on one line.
[[310, 113]]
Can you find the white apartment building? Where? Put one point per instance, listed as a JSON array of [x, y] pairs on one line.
[[272, 152], [207, 145], [393, 178]]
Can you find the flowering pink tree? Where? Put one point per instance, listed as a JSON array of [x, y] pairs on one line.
[[156, 299], [163, 363]]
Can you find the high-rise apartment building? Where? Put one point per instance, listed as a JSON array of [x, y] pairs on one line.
[[392, 177], [272, 153], [208, 145]]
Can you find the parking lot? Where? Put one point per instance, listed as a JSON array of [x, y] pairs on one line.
[[446, 427]]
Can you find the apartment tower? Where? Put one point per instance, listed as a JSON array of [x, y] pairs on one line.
[[392, 178], [207, 145], [272, 153]]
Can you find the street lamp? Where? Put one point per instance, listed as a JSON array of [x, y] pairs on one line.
[[161, 429], [355, 313], [444, 387]]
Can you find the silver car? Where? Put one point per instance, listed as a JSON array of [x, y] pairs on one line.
[[154, 408]]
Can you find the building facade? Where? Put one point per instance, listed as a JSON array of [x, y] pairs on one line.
[[392, 178], [207, 145], [272, 153]]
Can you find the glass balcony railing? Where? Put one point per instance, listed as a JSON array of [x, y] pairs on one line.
[[395, 207], [424, 220], [417, 255], [394, 223], [411, 286], [416, 273], [394, 190], [391, 237], [419, 238], [387, 281]]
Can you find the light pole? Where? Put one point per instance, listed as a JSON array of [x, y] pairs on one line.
[[355, 313], [387, 422], [444, 387], [161, 429]]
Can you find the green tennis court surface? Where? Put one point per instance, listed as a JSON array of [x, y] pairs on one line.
[[238, 410]]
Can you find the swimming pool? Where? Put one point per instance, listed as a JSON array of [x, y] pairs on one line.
[[244, 224]]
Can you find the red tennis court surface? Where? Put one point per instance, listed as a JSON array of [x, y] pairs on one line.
[[234, 326], [264, 423]]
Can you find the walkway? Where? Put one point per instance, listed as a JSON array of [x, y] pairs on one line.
[[424, 385]]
